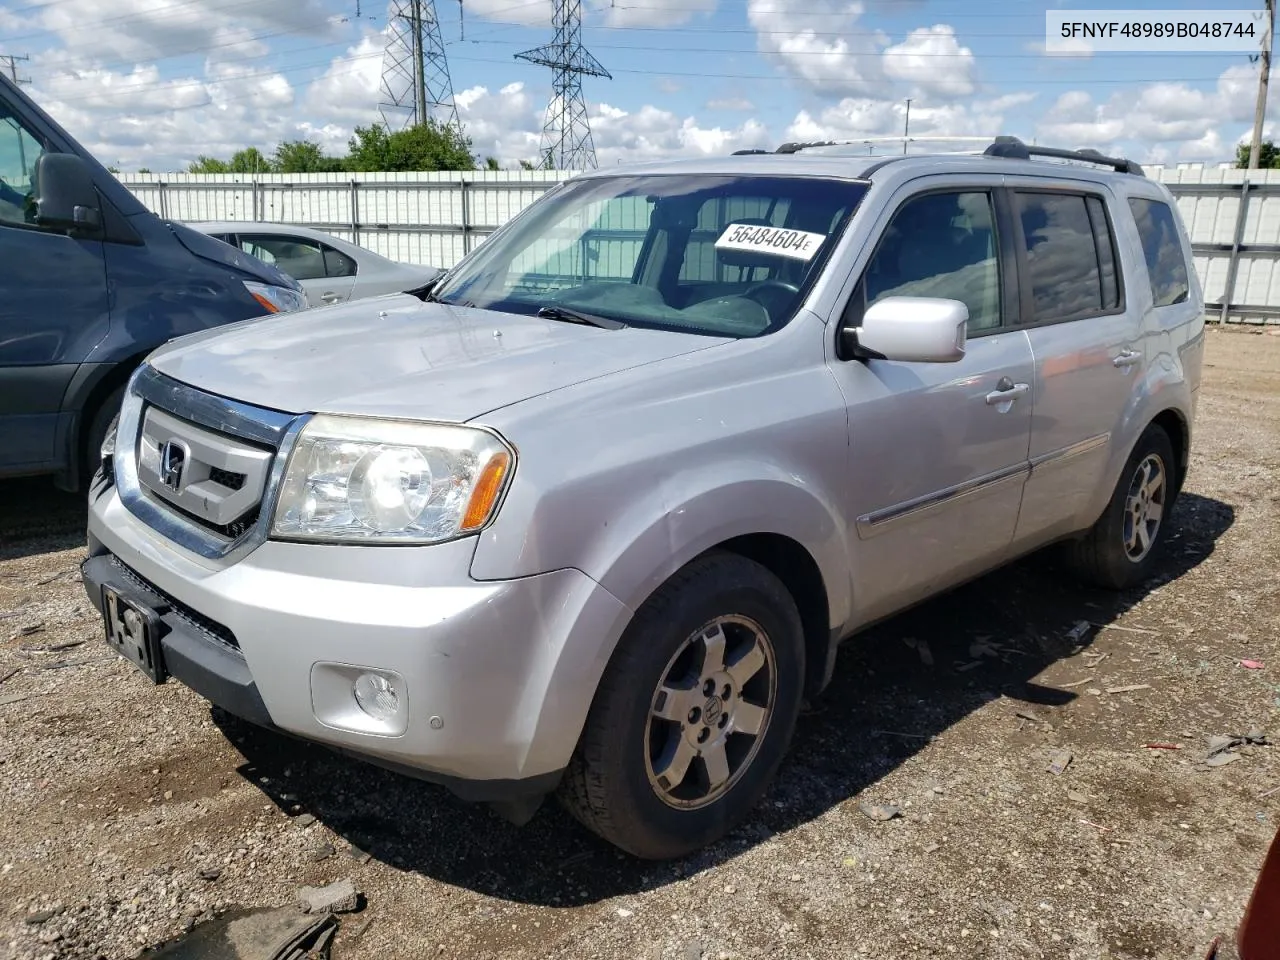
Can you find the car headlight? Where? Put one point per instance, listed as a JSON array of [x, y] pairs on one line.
[[275, 299], [360, 480]]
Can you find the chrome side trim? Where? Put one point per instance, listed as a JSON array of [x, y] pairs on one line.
[[1056, 458], [280, 430], [879, 521]]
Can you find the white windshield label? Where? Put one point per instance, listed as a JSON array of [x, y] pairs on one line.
[[778, 241]]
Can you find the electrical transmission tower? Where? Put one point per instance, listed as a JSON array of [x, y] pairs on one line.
[[566, 132], [415, 74]]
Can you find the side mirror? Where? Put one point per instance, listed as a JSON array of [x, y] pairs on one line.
[[65, 195], [912, 329]]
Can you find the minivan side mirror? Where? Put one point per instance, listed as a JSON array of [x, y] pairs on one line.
[[65, 196], [912, 329]]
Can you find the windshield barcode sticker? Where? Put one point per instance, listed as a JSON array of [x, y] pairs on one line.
[[796, 244]]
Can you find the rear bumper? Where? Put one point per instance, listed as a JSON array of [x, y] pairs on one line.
[[497, 677]]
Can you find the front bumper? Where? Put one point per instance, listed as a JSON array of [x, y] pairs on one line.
[[497, 676]]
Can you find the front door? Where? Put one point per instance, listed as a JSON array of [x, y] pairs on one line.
[[1088, 349], [53, 305], [938, 451]]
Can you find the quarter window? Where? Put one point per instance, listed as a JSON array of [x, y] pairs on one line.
[[1070, 253], [338, 264], [1162, 249], [941, 245]]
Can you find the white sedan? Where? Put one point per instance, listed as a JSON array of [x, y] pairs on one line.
[[330, 270]]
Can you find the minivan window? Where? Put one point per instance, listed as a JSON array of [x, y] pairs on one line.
[[19, 151], [941, 245], [1162, 249], [711, 254], [1070, 277]]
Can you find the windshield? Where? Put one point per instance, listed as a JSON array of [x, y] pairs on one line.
[[715, 255]]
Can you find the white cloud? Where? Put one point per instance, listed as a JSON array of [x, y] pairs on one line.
[[529, 13], [506, 125], [933, 62], [1070, 48], [652, 133], [822, 43], [651, 13], [731, 103], [347, 93], [856, 118]]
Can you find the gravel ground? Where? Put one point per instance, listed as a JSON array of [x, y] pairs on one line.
[[131, 813]]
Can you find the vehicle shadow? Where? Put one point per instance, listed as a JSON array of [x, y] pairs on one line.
[[881, 685], [36, 518]]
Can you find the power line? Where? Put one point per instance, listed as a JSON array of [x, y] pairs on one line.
[[11, 60], [416, 85]]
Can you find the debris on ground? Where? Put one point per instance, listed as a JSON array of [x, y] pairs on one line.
[[321, 852], [1077, 633], [28, 631], [1075, 796], [921, 647], [1163, 746], [1221, 750], [341, 896], [305, 820], [1129, 688], [880, 811], [1251, 664], [1059, 762]]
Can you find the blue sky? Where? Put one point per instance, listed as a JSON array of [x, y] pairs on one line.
[[155, 82]]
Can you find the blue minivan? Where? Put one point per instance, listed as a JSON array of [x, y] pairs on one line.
[[90, 282]]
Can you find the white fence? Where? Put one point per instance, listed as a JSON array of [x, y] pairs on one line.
[[436, 218]]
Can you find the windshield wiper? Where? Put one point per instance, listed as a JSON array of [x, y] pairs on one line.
[[575, 316]]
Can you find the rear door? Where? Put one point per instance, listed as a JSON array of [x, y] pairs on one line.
[[53, 303], [303, 259], [938, 451], [1088, 347]]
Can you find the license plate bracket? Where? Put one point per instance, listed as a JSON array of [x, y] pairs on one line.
[[134, 632]]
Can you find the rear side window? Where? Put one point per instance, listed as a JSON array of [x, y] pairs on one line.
[[1162, 249], [1070, 256], [300, 258]]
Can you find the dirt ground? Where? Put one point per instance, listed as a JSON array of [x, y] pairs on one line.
[[131, 812]]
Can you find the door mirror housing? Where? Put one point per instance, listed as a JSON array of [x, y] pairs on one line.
[[65, 196], [911, 329]]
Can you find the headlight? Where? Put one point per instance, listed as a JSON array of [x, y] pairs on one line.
[[275, 299], [390, 481]]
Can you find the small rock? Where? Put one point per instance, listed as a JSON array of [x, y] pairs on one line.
[[320, 852], [729, 888], [1075, 796], [338, 897], [358, 855], [849, 862], [41, 916], [693, 951], [932, 848], [210, 874], [50, 935], [168, 794], [305, 820], [623, 912], [1221, 759], [879, 811]]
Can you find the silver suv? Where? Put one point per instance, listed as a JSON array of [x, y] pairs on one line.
[[591, 513]]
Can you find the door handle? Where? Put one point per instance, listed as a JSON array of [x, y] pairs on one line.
[[1007, 391], [1127, 358], [330, 297]]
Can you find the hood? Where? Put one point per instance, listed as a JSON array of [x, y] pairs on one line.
[[399, 357], [207, 248]]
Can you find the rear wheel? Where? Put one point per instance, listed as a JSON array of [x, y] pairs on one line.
[[1120, 549], [694, 712]]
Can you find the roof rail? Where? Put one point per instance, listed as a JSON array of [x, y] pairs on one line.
[[1014, 149], [796, 147]]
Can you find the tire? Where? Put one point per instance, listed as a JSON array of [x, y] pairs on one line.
[[1121, 548], [625, 781], [104, 419]]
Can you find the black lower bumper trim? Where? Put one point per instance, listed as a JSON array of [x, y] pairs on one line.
[[214, 671], [220, 674]]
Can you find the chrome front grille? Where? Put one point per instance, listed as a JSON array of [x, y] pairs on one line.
[[199, 468]]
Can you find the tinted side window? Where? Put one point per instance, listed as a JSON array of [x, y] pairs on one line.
[[1162, 249], [299, 258], [1064, 267], [19, 151], [338, 264], [941, 245]]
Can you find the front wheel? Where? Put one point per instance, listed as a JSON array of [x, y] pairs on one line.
[[1119, 550], [694, 712]]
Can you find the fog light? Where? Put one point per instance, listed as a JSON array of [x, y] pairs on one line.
[[377, 697]]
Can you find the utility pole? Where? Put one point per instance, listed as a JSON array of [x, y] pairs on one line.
[[1260, 108], [12, 61], [906, 124]]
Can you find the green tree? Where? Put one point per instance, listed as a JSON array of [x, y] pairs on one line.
[[203, 164], [303, 156], [249, 160], [526, 165], [1268, 155], [491, 163], [420, 148], [144, 169]]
